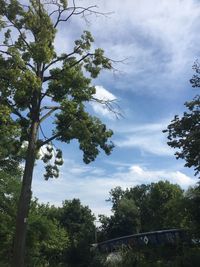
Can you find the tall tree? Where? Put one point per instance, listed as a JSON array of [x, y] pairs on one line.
[[32, 74], [184, 132], [78, 221], [144, 208]]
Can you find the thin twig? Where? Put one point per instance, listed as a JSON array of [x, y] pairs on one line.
[[111, 105]]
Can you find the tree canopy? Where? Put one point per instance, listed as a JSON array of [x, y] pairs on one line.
[[144, 208], [184, 132], [184, 135], [36, 83]]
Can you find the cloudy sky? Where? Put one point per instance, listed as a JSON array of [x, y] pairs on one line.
[[158, 42]]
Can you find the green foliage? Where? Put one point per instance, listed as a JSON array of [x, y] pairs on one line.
[[47, 240], [29, 73], [9, 132], [62, 236], [9, 193], [153, 257], [192, 204], [56, 236], [144, 208], [159, 206], [183, 134], [79, 223]]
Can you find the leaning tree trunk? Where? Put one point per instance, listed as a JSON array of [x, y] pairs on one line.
[[24, 200]]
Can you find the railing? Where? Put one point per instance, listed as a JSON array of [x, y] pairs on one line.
[[156, 238]]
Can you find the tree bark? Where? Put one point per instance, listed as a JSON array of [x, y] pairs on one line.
[[24, 200]]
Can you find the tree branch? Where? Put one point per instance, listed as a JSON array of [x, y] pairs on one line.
[[5, 52], [14, 110], [52, 109], [47, 78], [29, 65], [62, 58], [20, 33], [74, 10], [110, 105], [49, 140]]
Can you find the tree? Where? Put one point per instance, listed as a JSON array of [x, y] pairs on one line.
[[184, 135], [78, 221], [47, 240], [125, 219], [31, 72], [144, 208], [192, 204], [163, 206], [160, 205], [9, 194], [184, 132]]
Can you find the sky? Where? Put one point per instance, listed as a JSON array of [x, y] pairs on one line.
[[155, 44]]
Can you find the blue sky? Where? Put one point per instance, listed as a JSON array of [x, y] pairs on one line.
[[160, 41]]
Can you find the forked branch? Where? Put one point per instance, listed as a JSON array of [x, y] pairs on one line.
[[111, 105]]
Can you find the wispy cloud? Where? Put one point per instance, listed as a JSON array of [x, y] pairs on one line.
[[92, 185], [146, 137], [158, 37]]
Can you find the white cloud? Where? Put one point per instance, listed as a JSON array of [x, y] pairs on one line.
[[159, 38], [104, 95], [170, 23], [92, 185], [176, 177]]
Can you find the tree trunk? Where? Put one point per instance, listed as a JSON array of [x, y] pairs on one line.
[[24, 200]]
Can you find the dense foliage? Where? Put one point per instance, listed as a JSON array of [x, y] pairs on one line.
[[55, 237], [145, 208], [184, 135], [61, 236], [9, 193], [152, 207], [184, 132]]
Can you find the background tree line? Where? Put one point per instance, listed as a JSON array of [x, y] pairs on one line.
[[55, 236], [62, 236]]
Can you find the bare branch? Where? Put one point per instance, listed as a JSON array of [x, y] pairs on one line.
[[42, 132], [74, 10], [58, 18], [111, 105], [51, 110]]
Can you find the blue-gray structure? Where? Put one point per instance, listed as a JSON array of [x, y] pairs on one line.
[[157, 238]]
